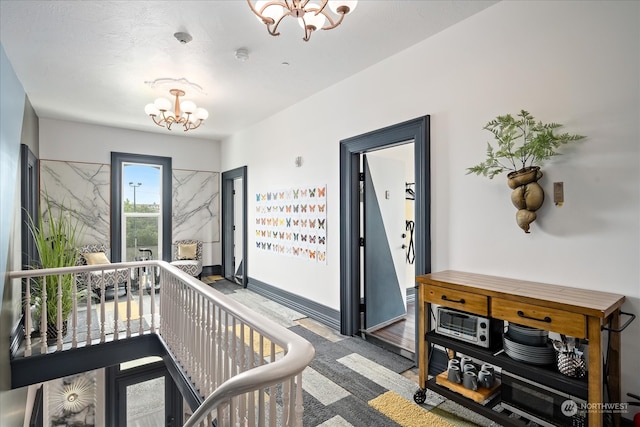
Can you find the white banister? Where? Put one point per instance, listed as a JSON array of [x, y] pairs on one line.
[[247, 368]]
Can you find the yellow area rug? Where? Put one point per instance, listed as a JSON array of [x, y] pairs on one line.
[[122, 310], [211, 279], [266, 344], [405, 412]]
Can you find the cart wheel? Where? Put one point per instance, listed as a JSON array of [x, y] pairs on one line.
[[420, 396]]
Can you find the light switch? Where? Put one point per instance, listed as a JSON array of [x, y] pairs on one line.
[[387, 194], [558, 193]]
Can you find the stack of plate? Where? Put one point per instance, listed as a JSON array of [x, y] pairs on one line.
[[529, 345]]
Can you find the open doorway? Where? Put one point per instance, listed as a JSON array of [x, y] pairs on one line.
[[387, 257], [351, 268], [234, 225]]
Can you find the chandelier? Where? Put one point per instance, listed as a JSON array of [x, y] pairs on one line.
[[185, 113], [311, 16]]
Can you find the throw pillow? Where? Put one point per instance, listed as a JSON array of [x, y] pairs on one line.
[[96, 258], [187, 251]]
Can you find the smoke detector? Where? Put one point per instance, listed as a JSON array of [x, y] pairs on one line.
[[242, 54], [182, 37]]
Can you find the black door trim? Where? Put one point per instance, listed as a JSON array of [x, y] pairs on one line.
[[417, 130], [117, 159], [227, 224]]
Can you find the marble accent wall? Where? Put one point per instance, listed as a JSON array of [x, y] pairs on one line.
[[85, 189], [196, 208]]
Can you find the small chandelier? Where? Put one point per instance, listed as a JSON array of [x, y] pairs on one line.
[[311, 16], [191, 117]]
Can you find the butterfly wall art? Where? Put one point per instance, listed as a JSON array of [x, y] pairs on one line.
[[292, 222]]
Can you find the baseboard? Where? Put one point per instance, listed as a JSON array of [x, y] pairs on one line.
[[318, 312]]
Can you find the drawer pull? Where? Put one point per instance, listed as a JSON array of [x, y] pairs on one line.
[[546, 318], [461, 300]]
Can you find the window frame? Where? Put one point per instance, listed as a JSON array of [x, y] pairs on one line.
[[117, 162]]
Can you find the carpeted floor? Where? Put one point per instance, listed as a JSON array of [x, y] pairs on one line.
[[352, 382]]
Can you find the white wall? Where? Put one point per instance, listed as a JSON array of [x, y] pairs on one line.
[[576, 63], [78, 142], [12, 104]]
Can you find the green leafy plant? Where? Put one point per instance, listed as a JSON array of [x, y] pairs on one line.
[[522, 143], [55, 237]]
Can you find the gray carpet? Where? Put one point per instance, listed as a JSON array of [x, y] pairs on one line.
[[353, 408], [347, 372]]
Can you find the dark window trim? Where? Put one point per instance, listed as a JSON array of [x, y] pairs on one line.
[[117, 159]]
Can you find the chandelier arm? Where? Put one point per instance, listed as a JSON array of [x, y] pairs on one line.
[[307, 30], [159, 123], [321, 8], [333, 24], [274, 31]]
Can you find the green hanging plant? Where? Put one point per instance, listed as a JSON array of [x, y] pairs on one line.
[[521, 144]]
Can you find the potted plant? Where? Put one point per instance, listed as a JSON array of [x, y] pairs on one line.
[[55, 237], [522, 146]]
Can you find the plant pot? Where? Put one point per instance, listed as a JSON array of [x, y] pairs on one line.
[[52, 332], [523, 176], [527, 195]]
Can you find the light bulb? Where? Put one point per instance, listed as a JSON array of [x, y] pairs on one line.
[[310, 18], [188, 106], [334, 5], [163, 104], [151, 110], [274, 11], [202, 114]]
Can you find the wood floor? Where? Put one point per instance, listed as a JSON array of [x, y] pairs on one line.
[[401, 333]]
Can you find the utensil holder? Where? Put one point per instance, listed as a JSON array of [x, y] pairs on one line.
[[571, 364]]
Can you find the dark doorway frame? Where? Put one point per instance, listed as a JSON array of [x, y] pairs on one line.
[[227, 224], [118, 380], [117, 159], [417, 130]]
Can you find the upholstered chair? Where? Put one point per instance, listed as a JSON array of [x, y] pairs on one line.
[[97, 254], [187, 256]]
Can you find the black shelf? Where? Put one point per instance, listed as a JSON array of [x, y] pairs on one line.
[[547, 375], [484, 410]]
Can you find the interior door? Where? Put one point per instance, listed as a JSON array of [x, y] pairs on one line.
[[238, 232], [384, 237]]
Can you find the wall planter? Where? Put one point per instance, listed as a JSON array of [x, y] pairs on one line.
[[522, 145]]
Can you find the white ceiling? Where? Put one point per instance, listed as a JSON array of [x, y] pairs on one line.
[[88, 61]]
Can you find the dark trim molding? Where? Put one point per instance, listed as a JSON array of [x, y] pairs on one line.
[[319, 312], [228, 177], [117, 159], [181, 380], [418, 131], [40, 368], [36, 419]]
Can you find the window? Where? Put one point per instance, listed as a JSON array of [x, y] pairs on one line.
[[141, 213], [140, 206]]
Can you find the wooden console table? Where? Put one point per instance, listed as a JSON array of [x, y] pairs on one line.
[[576, 312]]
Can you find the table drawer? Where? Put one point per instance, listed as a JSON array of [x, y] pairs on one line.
[[549, 319], [460, 300]]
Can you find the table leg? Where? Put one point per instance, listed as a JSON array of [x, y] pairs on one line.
[[595, 369], [614, 366]]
